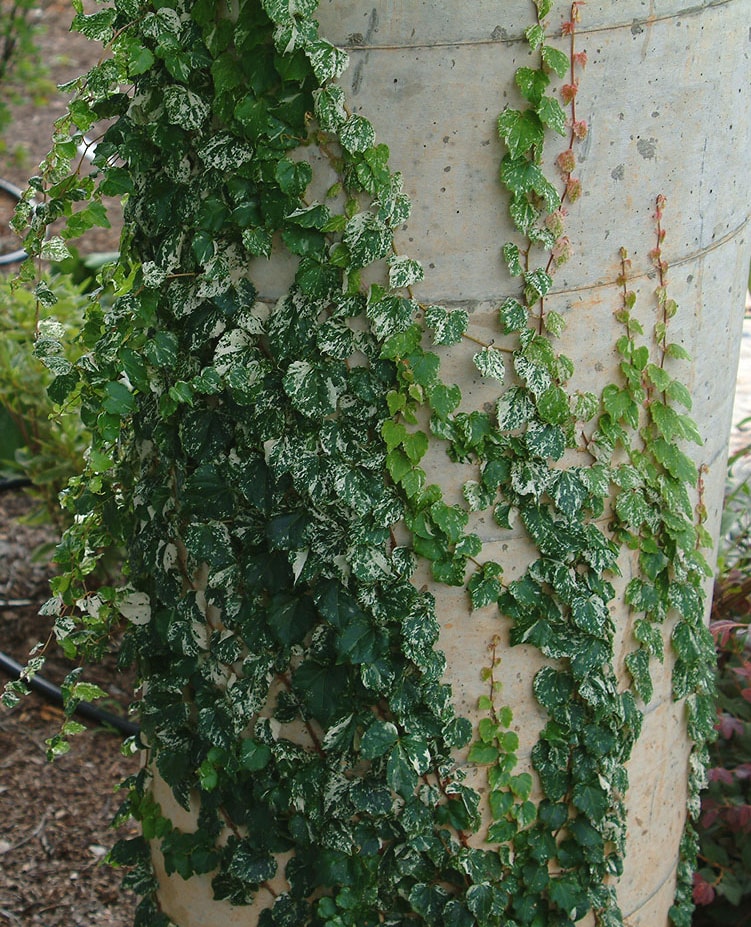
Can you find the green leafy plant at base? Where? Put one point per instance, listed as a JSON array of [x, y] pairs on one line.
[[260, 460], [49, 439], [22, 72], [722, 884]]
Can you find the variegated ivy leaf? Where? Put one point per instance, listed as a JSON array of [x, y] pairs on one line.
[[477, 496], [378, 739], [637, 663], [554, 323], [282, 11], [520, 130], [224, 152], [512, 259], [545, 441], [369, 564], [513, 316], [337, 339], [356, 134], [531, 477], [521, 175], [404, 271], [448, 325], [391, 314], [555, 59], [569, 492], [552, 114], [532, 82], [394, 205], [514, 408], [185, 108], [485, 586], [258, 241], [490, 363], [314, 389], [538, 283], [368, 239], [54, 249], [95, 26], [328, 61], [536, 377], [329, 107], [403, 561], [586, 406]]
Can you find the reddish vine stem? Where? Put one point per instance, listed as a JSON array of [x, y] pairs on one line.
[[566, 161]]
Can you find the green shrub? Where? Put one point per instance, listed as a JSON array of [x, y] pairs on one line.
[[722, 884], [41, 440], [22, 71]]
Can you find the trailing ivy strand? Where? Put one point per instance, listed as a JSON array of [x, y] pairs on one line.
[[262, 463]]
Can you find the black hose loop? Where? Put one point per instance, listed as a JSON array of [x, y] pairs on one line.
[[53, 694], [13, 257]]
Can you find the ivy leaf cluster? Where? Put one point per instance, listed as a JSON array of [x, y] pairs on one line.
[[260, 459]]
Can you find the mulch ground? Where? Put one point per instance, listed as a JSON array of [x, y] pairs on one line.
[[54, 818]]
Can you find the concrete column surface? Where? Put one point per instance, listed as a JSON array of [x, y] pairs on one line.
[[666, 93]]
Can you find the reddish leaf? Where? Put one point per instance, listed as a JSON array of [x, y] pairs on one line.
[[727, 725], [718, 774], [703, 892]]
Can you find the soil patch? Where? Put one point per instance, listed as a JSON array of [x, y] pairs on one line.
[[54, 818]]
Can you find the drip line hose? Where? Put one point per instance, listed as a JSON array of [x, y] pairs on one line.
[[43, 686], [13, 257], [14, 482], [53, 694]]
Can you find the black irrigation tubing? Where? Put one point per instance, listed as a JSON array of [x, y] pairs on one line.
[[14, 482], [53, 694], [48, 689], [13, 257]]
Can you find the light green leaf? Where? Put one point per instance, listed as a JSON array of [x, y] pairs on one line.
[[556, 60], [552, 114], [521, 131]]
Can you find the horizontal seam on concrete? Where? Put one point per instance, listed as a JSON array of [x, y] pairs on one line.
[[510, 40], [605, 284], [657, 889]]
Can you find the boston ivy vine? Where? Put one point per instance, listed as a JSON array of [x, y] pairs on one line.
[[259, 462]]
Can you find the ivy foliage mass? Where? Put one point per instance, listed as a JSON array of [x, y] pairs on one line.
[[259, 462]]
